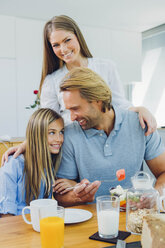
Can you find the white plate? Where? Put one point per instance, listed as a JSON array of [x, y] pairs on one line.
[[76, 215]]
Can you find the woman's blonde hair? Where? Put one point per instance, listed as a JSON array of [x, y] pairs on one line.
[[91, 86], [39, 164], [51, 62]]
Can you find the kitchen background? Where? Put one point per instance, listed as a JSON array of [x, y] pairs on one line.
[[130, 32]]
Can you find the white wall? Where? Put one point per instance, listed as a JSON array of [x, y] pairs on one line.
[[21, 62], [123, 47]]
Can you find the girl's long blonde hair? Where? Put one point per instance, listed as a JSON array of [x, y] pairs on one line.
[[38, 160], [51, 62]]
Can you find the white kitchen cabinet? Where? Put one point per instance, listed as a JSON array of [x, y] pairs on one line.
[[7, 34], [8, 97], [28, 67]]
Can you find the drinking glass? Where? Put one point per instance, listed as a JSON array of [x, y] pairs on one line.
[[108, 216], [52, 230]]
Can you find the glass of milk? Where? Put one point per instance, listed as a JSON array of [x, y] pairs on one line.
[[108, 216]]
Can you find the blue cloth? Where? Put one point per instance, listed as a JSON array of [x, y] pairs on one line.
[[12, 194], [91, 154]]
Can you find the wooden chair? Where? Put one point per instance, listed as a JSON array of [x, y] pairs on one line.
[[3, 148]]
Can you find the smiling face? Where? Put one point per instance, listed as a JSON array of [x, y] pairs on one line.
[[55, 136], [65, 45], [88, 114]]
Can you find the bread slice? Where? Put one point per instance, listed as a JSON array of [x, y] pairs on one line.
[[153, 231]]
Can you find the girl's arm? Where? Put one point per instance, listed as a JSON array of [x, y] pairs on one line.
[[10, 174]]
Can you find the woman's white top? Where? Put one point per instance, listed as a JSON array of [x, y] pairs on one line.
[[51, 97]]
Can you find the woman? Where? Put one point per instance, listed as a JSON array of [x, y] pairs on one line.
[[30, 176], [64, 49]]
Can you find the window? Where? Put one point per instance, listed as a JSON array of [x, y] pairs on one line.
[[151, 91]]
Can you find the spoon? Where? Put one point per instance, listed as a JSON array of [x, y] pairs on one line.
[[120, 244]]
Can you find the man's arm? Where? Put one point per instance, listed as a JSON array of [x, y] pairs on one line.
[[157, 167], [83, 193]]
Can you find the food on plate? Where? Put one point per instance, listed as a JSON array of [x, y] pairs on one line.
[[153, 231], [121, 193]]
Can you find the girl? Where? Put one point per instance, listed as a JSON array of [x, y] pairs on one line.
[[30, 176]]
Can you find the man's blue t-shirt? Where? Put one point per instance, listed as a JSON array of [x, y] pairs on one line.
[[91, 154]]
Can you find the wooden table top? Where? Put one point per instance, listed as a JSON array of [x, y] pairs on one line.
[[15, 233]]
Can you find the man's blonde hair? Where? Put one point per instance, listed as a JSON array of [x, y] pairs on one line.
[[91, 86]]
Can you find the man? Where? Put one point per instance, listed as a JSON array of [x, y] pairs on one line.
[[103, 140]]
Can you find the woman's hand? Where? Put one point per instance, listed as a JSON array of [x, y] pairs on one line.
[[145, 117], [147, 202], [17, 150], [61, 185]]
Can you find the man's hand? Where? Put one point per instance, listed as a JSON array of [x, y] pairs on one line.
[[86, 191], [17, 150], [143, 202], [62, 185], [82, 193]]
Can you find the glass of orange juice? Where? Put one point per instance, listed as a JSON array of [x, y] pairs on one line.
[[52, 230]]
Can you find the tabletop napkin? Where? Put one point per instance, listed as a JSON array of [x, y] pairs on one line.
[[121, 235], [128, 245]]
